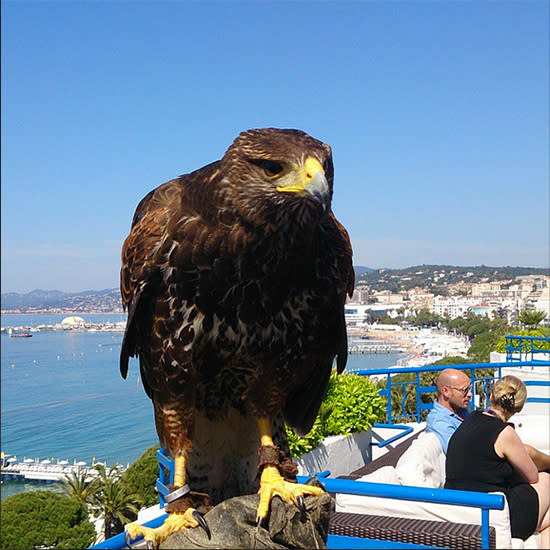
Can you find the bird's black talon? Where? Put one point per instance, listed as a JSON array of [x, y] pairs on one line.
[[202, 522], [150, 545], [301, 507], [259, 521]]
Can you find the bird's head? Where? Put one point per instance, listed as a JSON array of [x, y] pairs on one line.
[[281, 171]]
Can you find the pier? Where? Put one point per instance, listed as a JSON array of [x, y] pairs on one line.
[[376, 348], [45, 470]]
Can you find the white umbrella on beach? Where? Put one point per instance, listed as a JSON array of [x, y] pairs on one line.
[[81, 463], [63, 462], [45, 461], [28, 460]]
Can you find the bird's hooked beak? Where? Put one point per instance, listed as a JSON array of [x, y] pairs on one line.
[[312, 183]]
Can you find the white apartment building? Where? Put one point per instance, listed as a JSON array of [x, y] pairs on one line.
[[492, 306], [387, 297], [498, 299], [454, 306], [360, 295], [539, 301], [527, 285], [355, 314], [483, 289], [420, 299]]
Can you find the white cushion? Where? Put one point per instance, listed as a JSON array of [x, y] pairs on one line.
[[386, 474], [533, 430], [423, 463], [532, 543]]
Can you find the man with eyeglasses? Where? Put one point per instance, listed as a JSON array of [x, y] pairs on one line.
[[454, 391]]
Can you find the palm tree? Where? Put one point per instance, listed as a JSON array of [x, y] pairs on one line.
[[531, 318], [105, 474], [78, 486], [116, 505], [113, 500]]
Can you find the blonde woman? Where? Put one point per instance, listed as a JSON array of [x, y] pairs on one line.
[[485, 454]]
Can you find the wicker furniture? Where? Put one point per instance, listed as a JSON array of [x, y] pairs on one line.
[[416, 530], [412, 531]]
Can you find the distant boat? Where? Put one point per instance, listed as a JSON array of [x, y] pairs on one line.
[[19, 334]]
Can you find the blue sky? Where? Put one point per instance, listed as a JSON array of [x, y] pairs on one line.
[[437, 113]]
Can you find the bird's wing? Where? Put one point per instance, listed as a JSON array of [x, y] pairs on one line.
[[170, 230], [341, 244], [302, 405], [339, 247], [141, 269]]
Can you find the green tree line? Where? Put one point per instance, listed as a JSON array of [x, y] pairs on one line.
[[61, 518]]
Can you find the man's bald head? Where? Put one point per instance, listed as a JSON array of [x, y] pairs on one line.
[[451, 377], [451, 389]]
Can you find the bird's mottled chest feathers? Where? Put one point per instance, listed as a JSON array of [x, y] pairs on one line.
[[264, 286]]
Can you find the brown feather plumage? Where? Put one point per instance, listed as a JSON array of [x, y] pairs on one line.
[[235, 295]]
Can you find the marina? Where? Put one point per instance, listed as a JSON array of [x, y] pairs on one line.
[[46, 470], [380, 347], [26, 331]]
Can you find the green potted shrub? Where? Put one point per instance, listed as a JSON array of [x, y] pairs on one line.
[[340, 438]]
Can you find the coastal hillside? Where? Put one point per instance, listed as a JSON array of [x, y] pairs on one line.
[[55, 301], [435, 278], [431, 277], [361, 270]]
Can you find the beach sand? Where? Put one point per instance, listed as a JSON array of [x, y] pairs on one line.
[[405, 338]]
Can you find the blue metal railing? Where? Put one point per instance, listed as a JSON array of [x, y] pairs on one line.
[[483, 501], [166, 475], [481, 385], [405, 430], [117, 542], [539, 383], [526, 348]]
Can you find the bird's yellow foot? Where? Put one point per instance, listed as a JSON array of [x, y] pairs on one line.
[[273, 484], [173, 523]]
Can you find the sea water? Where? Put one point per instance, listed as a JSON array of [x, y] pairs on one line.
[[63, 397]]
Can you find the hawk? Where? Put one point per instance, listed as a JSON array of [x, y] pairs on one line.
[[234, 277]]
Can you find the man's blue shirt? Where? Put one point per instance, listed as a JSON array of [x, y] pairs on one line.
[[443, 423]]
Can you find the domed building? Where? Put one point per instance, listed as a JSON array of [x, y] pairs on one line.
[[73, 322]]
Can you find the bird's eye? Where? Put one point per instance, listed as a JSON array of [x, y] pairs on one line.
[[270, 167]]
